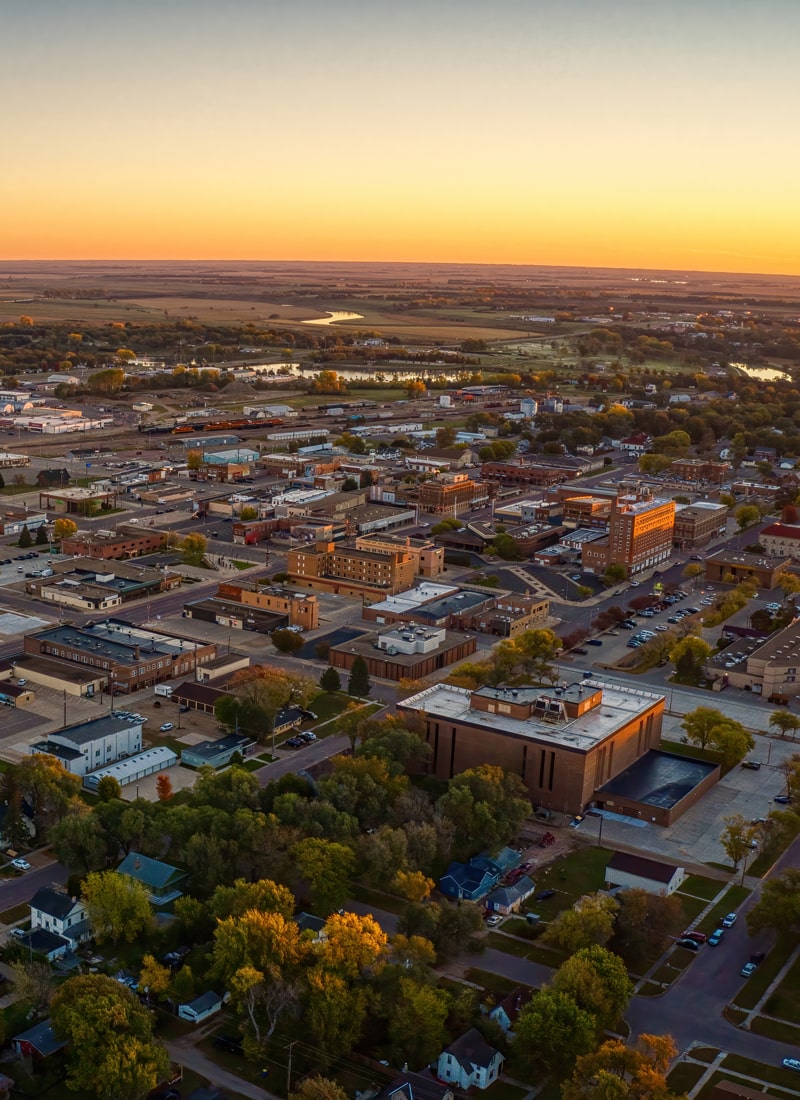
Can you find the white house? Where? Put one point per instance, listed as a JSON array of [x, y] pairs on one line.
[[470, 1062], [65, 917], [90, 745], [629, 872], [207, 1004]]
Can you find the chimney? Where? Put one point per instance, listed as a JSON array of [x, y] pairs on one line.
[[136, 653], [137, 864]]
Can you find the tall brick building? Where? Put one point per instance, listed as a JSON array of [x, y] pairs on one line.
[[565, 743], [639, 536], [347, 571], [451, 494]]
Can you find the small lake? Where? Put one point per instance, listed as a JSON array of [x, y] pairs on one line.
[[334, 317], [763, 374], [425, 373]]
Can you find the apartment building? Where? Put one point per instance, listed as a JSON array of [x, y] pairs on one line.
[[639, 536], [429, 557], [781, 540], [347, 571], [564, 743], [700, 469], [586, 511]]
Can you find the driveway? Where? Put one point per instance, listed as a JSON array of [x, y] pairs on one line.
[[186, 1054]]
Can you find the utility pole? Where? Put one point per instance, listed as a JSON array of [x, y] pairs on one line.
[[289, 1069]]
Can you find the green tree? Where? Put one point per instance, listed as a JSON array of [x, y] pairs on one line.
[[41, 532], [778, 907], [287, 641], [108, 788], [551, 1032], [334, 1013], [597, 980], [645, 926], [446, 436], [111, 1050], [747, 515], [248, 513], [118, 907], [78, 839], [258, 695], [417, 1026], [736, 838], [264, 896], [732, 741], [328, 868], [349, 485], [614, 573], [689, 656], [25, 539], [486, 805], [784, 722], [359, 683], [330, 681], [701, 725], [588, 923], [193, 548]]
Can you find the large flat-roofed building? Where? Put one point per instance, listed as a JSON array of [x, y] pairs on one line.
[[517, 473], [86, 746], [404, 652], [586, 511], [765, 667], [639, 536], [429, 557], [88, 584], [128, 657], [564, 743], [347, 571], [78, 501], [696, 524], [466, 609], [700, 469], [450, 494], [121, 543], [732, 566], [300, 608]]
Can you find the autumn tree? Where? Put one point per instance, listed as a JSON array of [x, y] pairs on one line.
[[334, 1013], [108, 381], [616, 1071], [413, 885], [746, 516], [63, 529], [153, 977], [34, 983], [264, 896], [318, 1088], [108, 788], [118, 906], [194, 461], [417, 1026], [258, 695], [352, 944], [164, 789], [692, 570], [736, 838], [111, 1051], [644, 926], [45, 784], [590, 922]]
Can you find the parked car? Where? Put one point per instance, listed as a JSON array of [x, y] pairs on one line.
[[782, 799], [716, 937], [20, 864], [580, 649], [748, 970], [698, 937], [690, 945], [752, 765], [758, 958], [594, 641], [493, 920], [791, 1063], [729, 920], [545, 894], [166, 727], [22, 682]]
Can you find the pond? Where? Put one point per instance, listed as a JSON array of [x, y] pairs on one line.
[[763, 374]]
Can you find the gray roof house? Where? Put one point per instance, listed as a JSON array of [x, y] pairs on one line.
[[470, 1062], [56, 912], [207, 1004], [508, 899], [161, 879], [38, 1041]]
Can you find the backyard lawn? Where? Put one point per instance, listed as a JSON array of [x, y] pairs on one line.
[[581, 872]]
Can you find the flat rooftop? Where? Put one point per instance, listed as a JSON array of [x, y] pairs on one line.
[[82, 733], [741, 557], [659, 779], [414, 597], [619, 706]]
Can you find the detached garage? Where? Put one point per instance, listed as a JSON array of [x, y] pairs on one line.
[[629, 872]]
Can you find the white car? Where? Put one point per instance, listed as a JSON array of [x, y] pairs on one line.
[[166, 727], [20, 864]]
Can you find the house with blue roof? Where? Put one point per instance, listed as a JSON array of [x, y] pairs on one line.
[[473, 880], [161, 879]]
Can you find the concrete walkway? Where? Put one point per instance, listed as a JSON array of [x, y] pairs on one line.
[[184, 1052]]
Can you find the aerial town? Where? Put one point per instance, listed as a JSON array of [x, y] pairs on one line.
[[400, 685]]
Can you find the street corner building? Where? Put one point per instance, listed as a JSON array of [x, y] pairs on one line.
[[565, 743]]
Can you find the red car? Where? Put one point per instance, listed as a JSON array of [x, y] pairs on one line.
[[698, 937]]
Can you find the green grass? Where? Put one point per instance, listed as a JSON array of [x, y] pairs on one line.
[[785, 1001], [700, 887], [328, 705], [692, 908], [545, 956], [581, 872], [649, 989], [684, 1076], [774, 1075], [734, 896], [493, 983], [244, 564], [775, 1029], [17, 912], [391, 902], [755, 988]]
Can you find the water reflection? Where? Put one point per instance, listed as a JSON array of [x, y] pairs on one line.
[[763, 374]]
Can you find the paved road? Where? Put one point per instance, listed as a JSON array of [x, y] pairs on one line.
[[302, 758], [21, 888], [186, 1054]]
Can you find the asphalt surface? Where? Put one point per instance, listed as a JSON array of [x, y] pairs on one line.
[[21, 888]]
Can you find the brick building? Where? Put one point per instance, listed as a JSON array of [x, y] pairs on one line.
[[515, 473], [781, 540], [346, 571], [696, 524], [450, 494], [404, 652], [732, 566], [502, 615], [700, 469], [127, 657], [299, 608], [564, 743], [429, 557], [124, 543], [586, 511], [639, 536]]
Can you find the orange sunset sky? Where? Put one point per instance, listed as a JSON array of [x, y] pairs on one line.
[[590, 132]]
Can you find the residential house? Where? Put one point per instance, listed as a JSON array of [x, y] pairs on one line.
[[207, 1004], [56, 912], [414, 1086], [473, 880], [470, 1062], [631, 872], [162, 880], [38, 1041], [506, 1012], [508, 899]]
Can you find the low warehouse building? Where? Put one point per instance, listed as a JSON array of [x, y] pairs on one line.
[[134, 768], [217, 754], [639, 873], [410, 652]]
